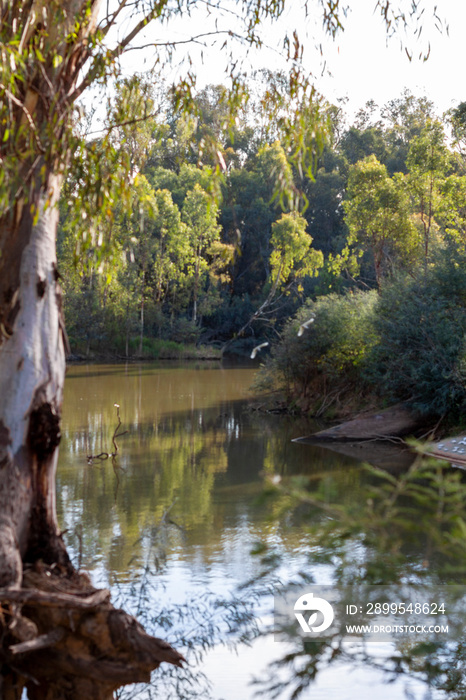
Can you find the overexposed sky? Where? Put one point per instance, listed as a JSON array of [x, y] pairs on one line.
[[364, 63]]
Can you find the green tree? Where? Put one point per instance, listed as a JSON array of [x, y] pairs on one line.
[[248, 211], [378, 216], [428, 163], [457, 120], [180, 181], [365, 137], [324, 212], [292, 256], [131, 118], [169, 245], [451, 210], [200, 216], [291, 259], [405, 117]]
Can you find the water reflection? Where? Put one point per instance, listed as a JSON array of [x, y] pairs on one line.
[[179, 511], [190, 443]]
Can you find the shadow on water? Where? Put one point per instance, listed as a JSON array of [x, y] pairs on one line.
[[391, 456]]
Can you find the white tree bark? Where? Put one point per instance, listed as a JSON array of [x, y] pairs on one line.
[[32, 370], [60, 649]]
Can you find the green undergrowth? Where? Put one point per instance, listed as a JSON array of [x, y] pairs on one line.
[[152, 349], [319, 371], [403, 344]]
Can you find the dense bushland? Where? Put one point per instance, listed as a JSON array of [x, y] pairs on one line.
[[194, 251], [208, 256], [420, 355], [319, 369], [406, 343]]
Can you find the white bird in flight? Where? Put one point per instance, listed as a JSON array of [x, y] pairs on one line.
[[305, 325], [257, 349]]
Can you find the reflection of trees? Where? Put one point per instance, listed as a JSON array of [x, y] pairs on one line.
[[207, 459], [173, 459], [208, 462], [405, 530]]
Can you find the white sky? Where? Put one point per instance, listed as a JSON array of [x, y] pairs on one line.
[[364, 64]]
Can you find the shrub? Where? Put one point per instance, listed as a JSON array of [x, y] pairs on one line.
[[405, 345], [420, 356], [326, 361]]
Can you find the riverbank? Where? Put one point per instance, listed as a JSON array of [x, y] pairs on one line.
[[155, 350], [369, 350]]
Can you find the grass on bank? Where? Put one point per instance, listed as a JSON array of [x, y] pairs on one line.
[[152, 349]]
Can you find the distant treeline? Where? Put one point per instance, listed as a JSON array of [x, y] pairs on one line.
[[203, 250]]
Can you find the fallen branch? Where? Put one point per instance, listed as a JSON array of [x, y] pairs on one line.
[[106, 455]]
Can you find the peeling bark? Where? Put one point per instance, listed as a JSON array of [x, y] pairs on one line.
[[61, 637], [32, 369]]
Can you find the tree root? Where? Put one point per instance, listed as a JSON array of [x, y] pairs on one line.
[[63, 639]]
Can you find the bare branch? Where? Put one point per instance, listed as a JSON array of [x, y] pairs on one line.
[[112, 20], [192, 40], [28, 596], [129, 122], [105, 455], [41, 642], [116, 53]]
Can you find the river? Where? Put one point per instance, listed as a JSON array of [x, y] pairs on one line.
[[170, 525]]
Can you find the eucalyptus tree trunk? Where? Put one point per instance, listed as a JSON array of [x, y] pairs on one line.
[[32, 370], [60, 637]]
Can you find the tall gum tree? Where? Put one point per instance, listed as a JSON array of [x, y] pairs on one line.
[[61, 637]]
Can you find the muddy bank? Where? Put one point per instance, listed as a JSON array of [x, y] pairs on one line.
[[396, 421]]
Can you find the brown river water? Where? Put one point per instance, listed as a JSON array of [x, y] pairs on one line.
[[172, 522]]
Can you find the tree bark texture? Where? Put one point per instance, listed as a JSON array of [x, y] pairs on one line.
[[57, 646], [32, 370], [60, 637]]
